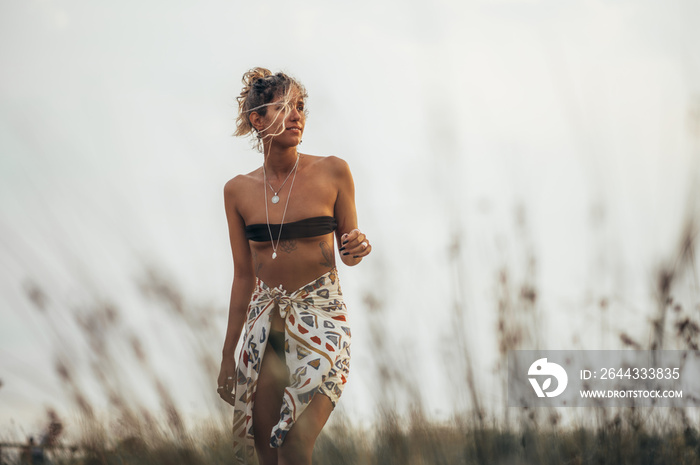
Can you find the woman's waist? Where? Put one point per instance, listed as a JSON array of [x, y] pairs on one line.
[[303, 284], [294, 270]]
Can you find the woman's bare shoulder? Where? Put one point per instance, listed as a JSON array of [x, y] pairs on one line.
[[332, 164], [240, 183]]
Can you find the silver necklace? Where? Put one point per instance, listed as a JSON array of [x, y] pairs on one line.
[[284, 213], [276, 198]]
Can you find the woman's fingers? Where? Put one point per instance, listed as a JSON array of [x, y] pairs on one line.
[[226, 390], [225, 386], [227, 396], [362, 250], [355, 243]]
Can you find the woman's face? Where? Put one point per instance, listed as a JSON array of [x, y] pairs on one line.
[[285, 119]]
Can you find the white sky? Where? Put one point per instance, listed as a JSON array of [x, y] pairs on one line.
[[115, 123]]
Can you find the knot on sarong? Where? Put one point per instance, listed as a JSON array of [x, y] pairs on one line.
[[281, 298]]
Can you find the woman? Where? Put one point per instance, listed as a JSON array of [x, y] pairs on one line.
[[295, 351]]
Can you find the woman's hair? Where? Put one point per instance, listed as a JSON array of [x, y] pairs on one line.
[[260, 89]]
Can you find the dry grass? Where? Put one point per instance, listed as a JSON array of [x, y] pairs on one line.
[[420, 442]]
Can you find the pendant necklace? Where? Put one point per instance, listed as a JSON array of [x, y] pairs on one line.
[[276, 198], [267, 214]]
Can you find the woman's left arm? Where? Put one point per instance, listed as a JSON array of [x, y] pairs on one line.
[[352, 243]]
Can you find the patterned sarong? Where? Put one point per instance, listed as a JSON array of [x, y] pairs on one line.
[[317, 346]]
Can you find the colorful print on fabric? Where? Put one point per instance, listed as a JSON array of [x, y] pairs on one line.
[[317, 344]]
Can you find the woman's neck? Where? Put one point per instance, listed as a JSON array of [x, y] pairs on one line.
[[279, 162]]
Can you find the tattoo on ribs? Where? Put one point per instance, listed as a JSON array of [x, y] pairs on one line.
[[256, 264], [327, 253], [289, 245]]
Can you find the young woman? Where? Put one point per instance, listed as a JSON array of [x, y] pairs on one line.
[[282, 219]]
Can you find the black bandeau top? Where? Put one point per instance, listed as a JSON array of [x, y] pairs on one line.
[[309, 227]]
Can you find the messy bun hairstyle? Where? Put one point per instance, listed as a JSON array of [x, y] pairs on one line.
[[260, 88]]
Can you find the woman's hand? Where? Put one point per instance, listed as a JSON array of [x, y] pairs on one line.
[[226, 381], [355, 244]]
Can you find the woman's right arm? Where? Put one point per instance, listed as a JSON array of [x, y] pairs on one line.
[[241, 290]]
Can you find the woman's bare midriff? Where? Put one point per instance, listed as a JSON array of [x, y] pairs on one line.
[[298, 262]]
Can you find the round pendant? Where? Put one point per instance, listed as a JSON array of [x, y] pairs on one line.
[[274, 255], [275, 198]]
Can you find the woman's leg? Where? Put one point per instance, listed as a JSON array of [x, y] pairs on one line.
[[272, 380], [299, 443]]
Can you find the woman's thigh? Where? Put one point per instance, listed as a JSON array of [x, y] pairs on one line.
[[272, 380]]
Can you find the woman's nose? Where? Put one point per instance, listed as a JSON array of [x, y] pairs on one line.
[[295, 114]]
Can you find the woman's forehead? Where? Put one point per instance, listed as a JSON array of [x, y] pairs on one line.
[[293, 94]]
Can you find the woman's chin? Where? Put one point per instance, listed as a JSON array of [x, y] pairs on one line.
[[282, 142]]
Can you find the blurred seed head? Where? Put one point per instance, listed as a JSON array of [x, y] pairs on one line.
[[36, 295], [627, 341]]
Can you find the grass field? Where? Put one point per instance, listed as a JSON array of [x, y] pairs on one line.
[[620, 440]]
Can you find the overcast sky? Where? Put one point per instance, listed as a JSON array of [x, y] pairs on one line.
[[115, 144]]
